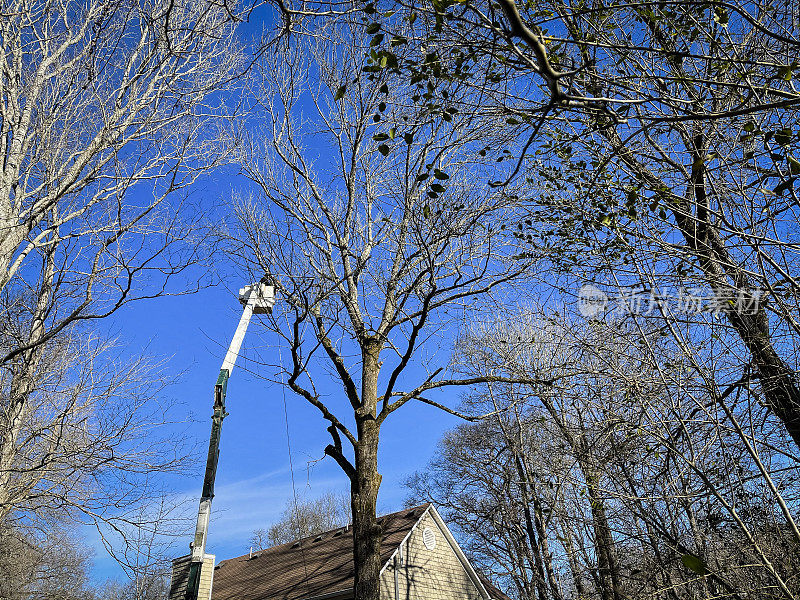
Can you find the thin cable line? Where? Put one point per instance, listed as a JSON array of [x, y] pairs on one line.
[[291, 472]]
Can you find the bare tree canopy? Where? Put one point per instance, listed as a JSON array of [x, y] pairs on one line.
[[410, 166], [109, 111], [104, 115], [43, 568], [371, 245], [639, 122], [302, 518], [627, 478]]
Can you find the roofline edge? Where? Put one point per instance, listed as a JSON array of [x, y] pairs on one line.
[[459, 553]]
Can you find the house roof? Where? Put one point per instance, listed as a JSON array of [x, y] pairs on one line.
[[317, 567], [494, 593], [313, 567]]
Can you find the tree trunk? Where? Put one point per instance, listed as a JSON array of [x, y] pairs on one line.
[[727, 278], [607, 563], [537, 537], [21, 387], [366, 483], [730, 281], [547, 556], [574, 567]]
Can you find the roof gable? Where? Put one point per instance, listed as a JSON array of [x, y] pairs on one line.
[[429, 509]]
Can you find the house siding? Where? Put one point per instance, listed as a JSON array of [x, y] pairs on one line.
[[428, 574], [180, 576]]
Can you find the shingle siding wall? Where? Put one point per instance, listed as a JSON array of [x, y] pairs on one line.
[[428, 574], [180, 576]]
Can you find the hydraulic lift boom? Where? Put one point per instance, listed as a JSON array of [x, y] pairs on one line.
[[257, 299]]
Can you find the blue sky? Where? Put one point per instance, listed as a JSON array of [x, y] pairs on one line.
[[254, 479]]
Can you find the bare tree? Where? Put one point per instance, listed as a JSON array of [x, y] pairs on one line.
[[474, 480], [91, 438], [682, 110], [664, 142], [371, 247], [98, 101], [108, 113], [47, 566], [664, 486], [702, 146], [303, 518], [148, 585]]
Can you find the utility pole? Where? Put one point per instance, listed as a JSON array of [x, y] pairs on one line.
[[258, 298]]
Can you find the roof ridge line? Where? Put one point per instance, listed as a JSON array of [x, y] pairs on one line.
[[410, 509]]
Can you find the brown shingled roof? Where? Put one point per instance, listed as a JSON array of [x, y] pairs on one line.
[[494, 592], [312, 567]]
